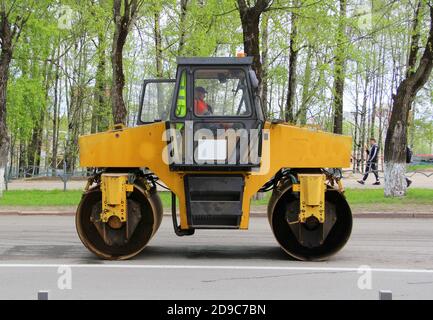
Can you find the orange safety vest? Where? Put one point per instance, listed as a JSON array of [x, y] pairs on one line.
[[200, 107]]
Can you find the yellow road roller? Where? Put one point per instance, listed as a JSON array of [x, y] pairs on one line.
[[203, 136]]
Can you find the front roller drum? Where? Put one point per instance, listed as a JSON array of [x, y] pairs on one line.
[[311, 240], [115, 241]]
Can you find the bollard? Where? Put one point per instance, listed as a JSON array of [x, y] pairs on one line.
[[385, 295], [42, 295]]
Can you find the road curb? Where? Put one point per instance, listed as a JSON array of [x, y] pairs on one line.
[[419, 215], [423, 215], [37, 213]]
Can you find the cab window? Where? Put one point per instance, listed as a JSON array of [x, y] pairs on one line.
[[221, 93], [157, 97], [180, 110]]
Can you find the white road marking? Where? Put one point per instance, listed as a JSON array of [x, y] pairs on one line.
[[267, 268]]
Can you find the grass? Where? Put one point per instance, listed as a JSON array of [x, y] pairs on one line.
[[42, 198], [375, 196], [420, 167]]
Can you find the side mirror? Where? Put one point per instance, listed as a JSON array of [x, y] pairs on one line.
[[254, 80]]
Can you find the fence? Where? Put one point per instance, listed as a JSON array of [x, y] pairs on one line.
[[49, 172], [43, 172]]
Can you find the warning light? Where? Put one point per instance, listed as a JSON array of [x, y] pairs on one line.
[[240, 54]]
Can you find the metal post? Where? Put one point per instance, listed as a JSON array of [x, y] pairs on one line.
[[42, 295], [6, 177], [385, 295], [65, 176]]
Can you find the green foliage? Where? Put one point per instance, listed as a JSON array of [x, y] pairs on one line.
[[26, 100], [424, 133], [209, 28]]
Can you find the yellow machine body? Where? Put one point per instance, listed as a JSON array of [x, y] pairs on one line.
[[214, 151], [312, 189], [283, 146], [114, 188]]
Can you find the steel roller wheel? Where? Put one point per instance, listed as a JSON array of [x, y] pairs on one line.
[[114, 241], [299, 240]]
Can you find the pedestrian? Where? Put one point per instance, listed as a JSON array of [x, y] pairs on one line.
[[408, 160], [371, 162]]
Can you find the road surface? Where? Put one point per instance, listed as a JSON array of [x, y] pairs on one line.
[[215, 264]]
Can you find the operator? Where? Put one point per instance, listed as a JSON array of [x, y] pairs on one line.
[[201, 108], [371, 162]]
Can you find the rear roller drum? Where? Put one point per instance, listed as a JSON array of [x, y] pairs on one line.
[[115, 240], [311, 240]]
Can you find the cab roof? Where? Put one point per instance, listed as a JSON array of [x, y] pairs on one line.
[[215, 61]]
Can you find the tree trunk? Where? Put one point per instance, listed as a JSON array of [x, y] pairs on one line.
[[413, 53], [158, 61], [56, 112], [363, 129], [375, 95], [293, 61], [22, 159], [339, 71], [122, 26], [10, 32], [305, 89], [5, 60], [396, 136], [71, 149], [381, 90], [75, 110], [100, 114], [35, 147], [250, 19], [355, 135], [158, 45], [182, 26], [265, 49]]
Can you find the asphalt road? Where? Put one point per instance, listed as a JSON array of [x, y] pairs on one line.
[[215, 264]]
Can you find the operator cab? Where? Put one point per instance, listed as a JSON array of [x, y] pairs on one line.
[[212, 111]]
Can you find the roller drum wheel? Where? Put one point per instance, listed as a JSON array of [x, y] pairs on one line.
[[108, 240], [299, 240]]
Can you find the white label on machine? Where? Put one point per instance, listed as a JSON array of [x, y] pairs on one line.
[[211, 149]]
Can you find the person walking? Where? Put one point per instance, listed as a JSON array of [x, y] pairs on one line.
[[372, 162], [408, 161]]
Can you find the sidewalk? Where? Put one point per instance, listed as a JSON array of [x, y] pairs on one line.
[[419, 181], [256, 211], [52, 184]]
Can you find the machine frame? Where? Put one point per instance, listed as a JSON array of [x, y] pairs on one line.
[[292, 162]]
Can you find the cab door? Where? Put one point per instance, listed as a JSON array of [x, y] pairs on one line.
[[215, 126], [155, 100]]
